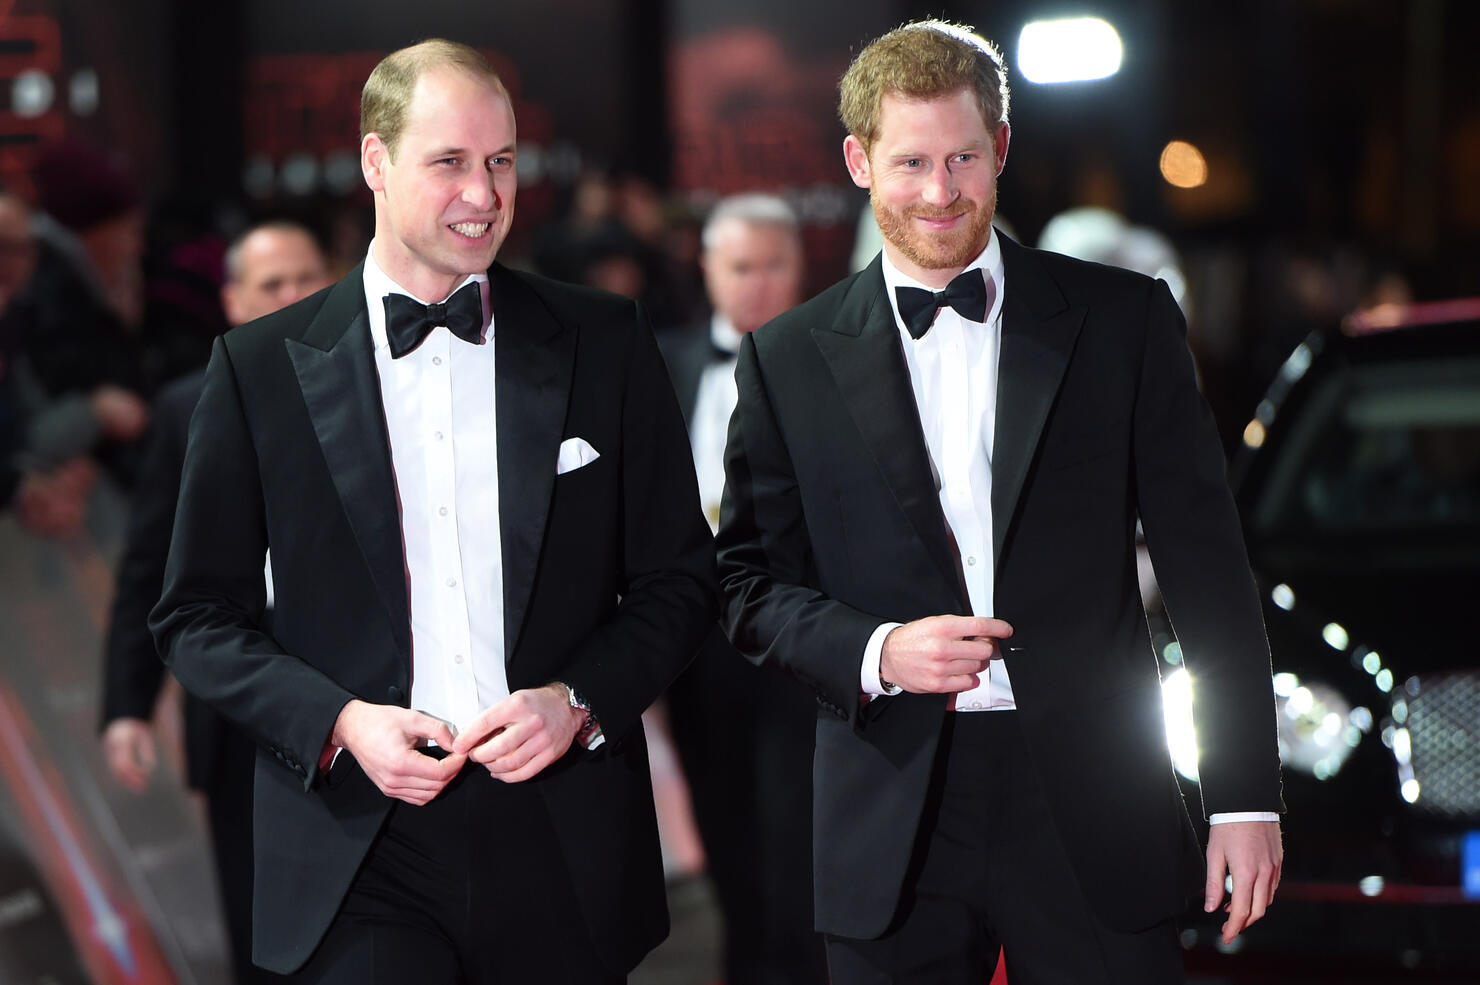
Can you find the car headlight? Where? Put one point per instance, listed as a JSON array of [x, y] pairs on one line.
[[1319, 728]]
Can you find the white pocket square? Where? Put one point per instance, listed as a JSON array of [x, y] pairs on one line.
[[575, 452]]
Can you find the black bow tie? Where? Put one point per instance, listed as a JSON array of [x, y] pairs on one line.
[[970, 293], [408, 322]]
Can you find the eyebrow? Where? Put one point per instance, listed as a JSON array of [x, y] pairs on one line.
[[457, 151], [972, 146]]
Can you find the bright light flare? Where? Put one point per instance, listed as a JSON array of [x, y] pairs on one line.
[[1183, 165], [1074, 49], [1176, 699]]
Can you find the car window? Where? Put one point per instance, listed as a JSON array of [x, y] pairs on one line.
[[1380, 448]]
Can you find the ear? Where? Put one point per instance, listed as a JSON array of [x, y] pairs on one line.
[[857, 160], [999, 145], [229, 304], [373, 160]]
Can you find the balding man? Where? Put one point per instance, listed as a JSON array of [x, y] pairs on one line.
[[488, 560], [268, 267], [745, 737]]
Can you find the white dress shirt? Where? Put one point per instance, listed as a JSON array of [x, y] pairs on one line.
[[441, 421], [709, 424], [953, 371]]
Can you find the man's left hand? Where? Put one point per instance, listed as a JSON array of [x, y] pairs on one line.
[[522, 734], [1250, 851]]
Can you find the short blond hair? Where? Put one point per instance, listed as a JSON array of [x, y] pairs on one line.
[[922, 60], [388, 91]]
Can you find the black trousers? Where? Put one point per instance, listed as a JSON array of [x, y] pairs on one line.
[[744, 735], [470, 889], [229, 808], [990, 872]]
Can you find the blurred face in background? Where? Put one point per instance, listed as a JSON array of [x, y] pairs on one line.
[[274, 268], [445, 199], [116, 247], [17, 248], [932, 177], [752, 271]]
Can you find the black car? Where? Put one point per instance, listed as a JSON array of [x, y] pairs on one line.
[[1359, 491]]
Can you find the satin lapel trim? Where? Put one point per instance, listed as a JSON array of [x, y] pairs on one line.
[[1039, 331], [341, 389], [534, 361], [871, 374]]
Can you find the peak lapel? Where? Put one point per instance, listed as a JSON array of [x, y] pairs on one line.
[[1039, 330], [534, 360], [335, 364], [862, 349]]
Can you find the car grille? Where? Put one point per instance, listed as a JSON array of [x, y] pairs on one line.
[[1441, 715]]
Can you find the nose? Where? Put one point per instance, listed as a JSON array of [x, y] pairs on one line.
[[940, 187], [478, 191]]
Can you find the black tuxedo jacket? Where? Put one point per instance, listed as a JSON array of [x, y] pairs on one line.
[[831, 525], [688, 352], [608, 581]]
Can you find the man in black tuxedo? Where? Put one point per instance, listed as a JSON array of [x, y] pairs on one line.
[[745, 739], [271, 265], [934, 475], [487, 560]]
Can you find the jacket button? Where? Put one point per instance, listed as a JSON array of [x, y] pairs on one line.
[[394, 693]]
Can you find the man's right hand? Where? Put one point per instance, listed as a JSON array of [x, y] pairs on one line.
[[383, 740], [121, 414], [128, 748], [941, 654]]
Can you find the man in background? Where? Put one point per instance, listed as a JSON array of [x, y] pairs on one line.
[[745, 736], [268, 267]]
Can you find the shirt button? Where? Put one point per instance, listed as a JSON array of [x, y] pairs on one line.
[[971, 560], [451, 582], [976, 706], [436, 360], [457, 659], [442, 511], [437, 435]]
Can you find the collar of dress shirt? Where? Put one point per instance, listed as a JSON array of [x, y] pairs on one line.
[[378, 284], [989, 259], [722, 333]]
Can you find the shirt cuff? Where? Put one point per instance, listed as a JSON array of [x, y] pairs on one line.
[[590, 737], [868, 675], [1229, 817]]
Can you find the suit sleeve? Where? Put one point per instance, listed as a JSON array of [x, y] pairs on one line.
[[669, 600], [1197, 548], [773, 613], [132, 671], [207, 624]]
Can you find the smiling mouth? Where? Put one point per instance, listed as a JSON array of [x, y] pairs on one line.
[[472, 230]]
